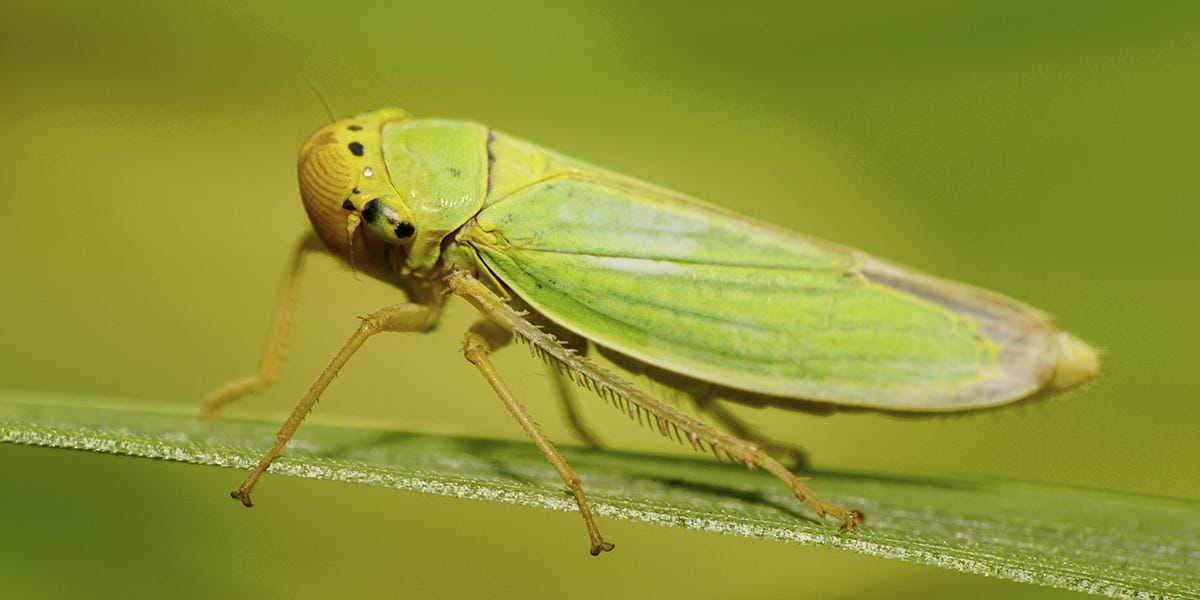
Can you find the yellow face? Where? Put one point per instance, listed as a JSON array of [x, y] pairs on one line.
[[344, 183]]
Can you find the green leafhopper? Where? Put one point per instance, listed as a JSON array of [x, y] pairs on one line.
[[549, 248]]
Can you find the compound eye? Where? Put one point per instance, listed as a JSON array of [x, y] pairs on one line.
[[385, 221]]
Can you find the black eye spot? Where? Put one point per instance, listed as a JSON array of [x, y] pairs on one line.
[[356, 148], [405, 229], [355, 128], [370, 211], [355, 191], [348, 205]]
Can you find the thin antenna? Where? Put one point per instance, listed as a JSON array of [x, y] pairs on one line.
[[312, 85]]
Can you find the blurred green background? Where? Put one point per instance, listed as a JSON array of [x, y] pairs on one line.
[[1045, 150]]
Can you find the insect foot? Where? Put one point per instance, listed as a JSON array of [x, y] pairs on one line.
[[243, 495], [602, 546], [851, 521]]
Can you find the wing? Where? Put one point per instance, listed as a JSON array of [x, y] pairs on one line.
[[713, 295]]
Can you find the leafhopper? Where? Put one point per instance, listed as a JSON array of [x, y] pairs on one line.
[[570, 258]]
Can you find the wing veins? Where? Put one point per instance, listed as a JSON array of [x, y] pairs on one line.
[[687, 261]]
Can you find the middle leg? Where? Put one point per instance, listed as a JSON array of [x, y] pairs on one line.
[[609, 386], [481, 340]]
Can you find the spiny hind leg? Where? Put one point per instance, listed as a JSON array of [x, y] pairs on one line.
[[480, 341], [850, 519], [608, 385], [399, 317], [794, 456]]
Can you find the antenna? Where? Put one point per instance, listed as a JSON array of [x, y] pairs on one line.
[[312, 85]]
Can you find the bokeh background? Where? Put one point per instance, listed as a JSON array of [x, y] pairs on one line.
[[147, 150]]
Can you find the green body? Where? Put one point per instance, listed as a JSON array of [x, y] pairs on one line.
[[696, 290]]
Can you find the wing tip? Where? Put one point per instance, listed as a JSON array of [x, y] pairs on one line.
[[1078, 363]]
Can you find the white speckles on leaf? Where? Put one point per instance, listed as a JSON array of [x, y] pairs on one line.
[[1087, 541]]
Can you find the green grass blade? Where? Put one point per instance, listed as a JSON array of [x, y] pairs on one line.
[[1116, 545]]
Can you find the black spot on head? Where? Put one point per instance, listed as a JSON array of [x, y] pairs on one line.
[[405, 229], [355, 128], [355, 191], [348, 205], [370, 211], [455, 171], [356, 148]]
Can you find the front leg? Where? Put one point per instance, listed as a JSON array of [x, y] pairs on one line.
[[268, 366], [399, 317]]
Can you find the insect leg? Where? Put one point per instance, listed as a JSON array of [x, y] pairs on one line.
[[796, 457], [486, 336], [608, 385], [399, 317], [564, 386], [566, 399], [273, 352]]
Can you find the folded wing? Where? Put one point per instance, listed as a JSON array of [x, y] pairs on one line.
[[712, 295]]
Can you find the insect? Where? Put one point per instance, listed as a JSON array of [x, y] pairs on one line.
[[549, 248]]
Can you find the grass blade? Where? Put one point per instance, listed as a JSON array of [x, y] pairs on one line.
[[1116, 545]]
